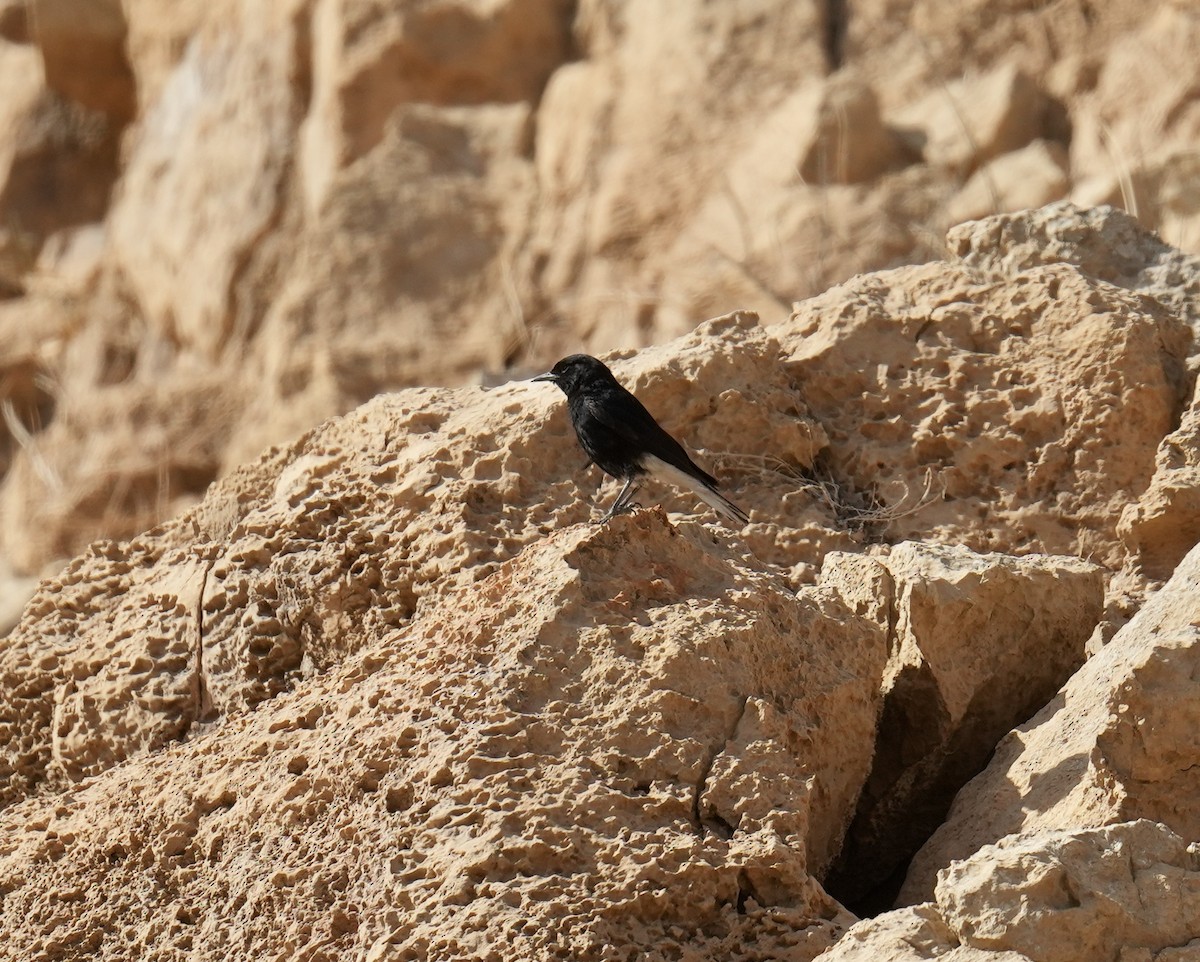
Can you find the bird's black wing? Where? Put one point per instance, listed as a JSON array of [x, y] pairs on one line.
[[625, 419]]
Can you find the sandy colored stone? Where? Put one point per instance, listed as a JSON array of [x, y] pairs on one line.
[[622, 161], [1113, 745], [1139, 121], [1030, 177], [610, 745], [1120, 893], [1015, 415], [418, 237], [978, 643], [1164, 524], [194, 203], [57, 164], [914, 934], [1068, 895], [372, 57], [1103, 242], [968, 122], [115, 463], [166, 459], [462, 480], [320, 201]]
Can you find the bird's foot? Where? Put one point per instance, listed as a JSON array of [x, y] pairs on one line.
[[617, 509]]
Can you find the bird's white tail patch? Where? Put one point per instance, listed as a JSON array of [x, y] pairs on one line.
[[660, 470]]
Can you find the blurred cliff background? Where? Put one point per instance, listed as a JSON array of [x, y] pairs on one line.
[[224, 221]]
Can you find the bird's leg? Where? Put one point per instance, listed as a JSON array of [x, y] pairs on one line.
[[622, 500]]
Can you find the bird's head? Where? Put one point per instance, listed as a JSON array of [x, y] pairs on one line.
[[576, 372]]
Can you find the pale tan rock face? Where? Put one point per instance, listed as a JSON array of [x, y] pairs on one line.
[[1019, 415], [1113, 745], [1030, 177], [372, 56], [460, 480], [1103, 243], [1165, 522], [1113, 894], [610, 746], [192, 206], [974, 120], [58, 161], [316, 200], [978, 643]]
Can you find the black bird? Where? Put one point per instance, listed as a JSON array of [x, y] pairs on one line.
[[622, 438]]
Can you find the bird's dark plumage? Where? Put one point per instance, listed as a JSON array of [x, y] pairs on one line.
[[621, 437]]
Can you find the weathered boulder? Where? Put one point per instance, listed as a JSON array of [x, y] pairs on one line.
[[1128, 891], [204, 181], [1164, 523], [458, 482], [1114, 745], [1103, 242], [630, 740], [1017, 414], [82, 43], [58, 161], [1030, 177], [978, 644], [967, 122], [371, 58], [1137, 122]]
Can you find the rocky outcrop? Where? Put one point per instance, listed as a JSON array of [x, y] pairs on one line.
[[315, 201], [1114, 745], [1102, 242], [1010, 414], [378, 692], [1125, 891], [978, 644], [610, 742]]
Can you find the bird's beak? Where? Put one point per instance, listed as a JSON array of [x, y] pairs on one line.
[[548, 376]]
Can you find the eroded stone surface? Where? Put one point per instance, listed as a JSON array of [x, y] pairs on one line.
[[611, 745], [1017, 415], [1111, 746], [978, 644], [1113, 894]]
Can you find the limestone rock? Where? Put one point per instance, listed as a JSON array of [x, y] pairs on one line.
[[1122, 892], [1102, 242], [622, 162], [978, 644], [417, 236], [913, 934], [828, 132], [1164, 524], [372, 57], [607, 744], [1138, 121], [1017, 415], [193, 205], [968, 122], [1084, 894], [1033, 176], [460, 482], [1113, 745]]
